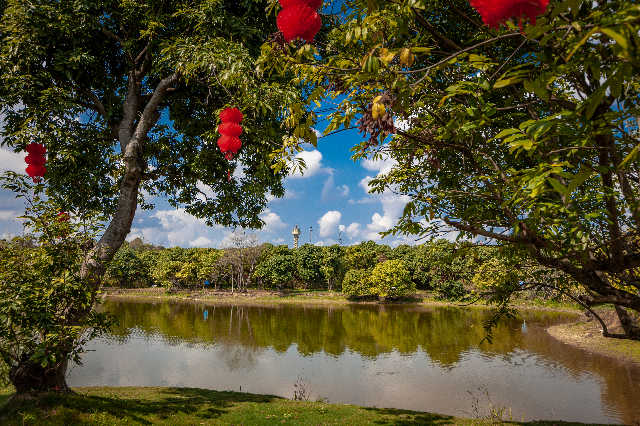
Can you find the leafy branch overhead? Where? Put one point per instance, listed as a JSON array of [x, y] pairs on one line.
[[526, 138]]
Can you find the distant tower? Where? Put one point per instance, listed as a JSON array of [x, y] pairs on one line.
[[296, 234], [310, 231], [340, 237]]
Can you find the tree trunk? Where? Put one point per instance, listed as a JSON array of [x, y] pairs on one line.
[[629, 325], [29, 376]]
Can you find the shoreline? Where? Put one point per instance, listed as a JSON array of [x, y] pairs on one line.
[[584, 333]]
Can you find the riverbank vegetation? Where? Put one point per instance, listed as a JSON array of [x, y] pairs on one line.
[[185, 406], [447, 270]]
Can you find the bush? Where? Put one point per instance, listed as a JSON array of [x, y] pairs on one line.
[[391, 279], [356, 282]]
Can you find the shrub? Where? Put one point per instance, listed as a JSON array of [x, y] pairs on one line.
[[391, 279], [356, 283]]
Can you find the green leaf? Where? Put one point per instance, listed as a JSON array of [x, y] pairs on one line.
[[507, 82]]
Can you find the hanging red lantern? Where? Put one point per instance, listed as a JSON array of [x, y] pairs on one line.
[[229, 143], [35, 161], [35, 172], [299, 21], [231, 115], [228, 156], [63, 217], [230, 129], [496, 12], [313, 4], [223, 143], [234, 145], [36, 149]]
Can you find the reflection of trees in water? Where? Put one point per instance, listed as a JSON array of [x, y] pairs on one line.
[[446, 334]]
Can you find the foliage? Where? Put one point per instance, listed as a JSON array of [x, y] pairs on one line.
[[127, 269], [391, 279], [524, 138], [357, 282], [46, 309], [365, 255], [333, 266], [309, 264], [277, 271]]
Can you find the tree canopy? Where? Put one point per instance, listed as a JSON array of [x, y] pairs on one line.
[[520, 138], [125, 97]]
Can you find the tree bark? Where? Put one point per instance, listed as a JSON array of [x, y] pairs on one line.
[[29, 376]]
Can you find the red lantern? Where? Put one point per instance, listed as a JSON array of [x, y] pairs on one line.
[[63, 217], [35, 161], [496, 12], [299, 21], [313, 4], [234, 145], [231, 115], [228, 156], [35, 172], [229, 143], [223, 143], [36, 149], [230, 129]]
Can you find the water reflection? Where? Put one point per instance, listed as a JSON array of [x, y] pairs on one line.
[[423, 358]]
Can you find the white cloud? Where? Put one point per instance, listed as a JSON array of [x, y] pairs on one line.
[[272, 221], [381, 166], [341, 228], [8, 214], [206, 190], [278, 241], [353, 230], [329, 191], [200, 242], [11, 161], [288, 195], [329, 223], [177, 228], [313, 162]]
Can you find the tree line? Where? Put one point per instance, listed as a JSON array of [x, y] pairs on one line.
[[365, 269]]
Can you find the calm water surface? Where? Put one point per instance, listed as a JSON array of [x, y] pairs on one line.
[[418, 358]]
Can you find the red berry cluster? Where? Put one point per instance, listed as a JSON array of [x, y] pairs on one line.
[[230, 129], [299, 19], [496, 12], [35, 161]]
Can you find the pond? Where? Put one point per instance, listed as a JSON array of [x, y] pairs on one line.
[[400, 356]]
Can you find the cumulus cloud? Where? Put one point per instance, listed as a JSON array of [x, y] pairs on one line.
[[11, 161], [8, 214], [329, 191], [288, 195], [200, 242], [177, 228], [278, 241], [329, 223], [381, 165], [313, 162], [272, 221], [353, 230]]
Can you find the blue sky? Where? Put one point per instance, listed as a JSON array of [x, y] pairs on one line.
[[331, 197]]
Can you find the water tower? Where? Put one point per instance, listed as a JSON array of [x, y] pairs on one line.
[[296, 234]]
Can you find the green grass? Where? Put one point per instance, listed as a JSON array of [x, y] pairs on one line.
[[185, 406]]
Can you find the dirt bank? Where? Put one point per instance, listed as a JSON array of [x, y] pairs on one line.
[[587, 334]]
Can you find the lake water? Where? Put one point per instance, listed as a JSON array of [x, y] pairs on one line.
[[410, 357]]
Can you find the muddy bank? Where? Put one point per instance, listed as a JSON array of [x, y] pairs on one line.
[[587, 334]]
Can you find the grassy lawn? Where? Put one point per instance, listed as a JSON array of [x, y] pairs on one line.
[[186, 406]]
